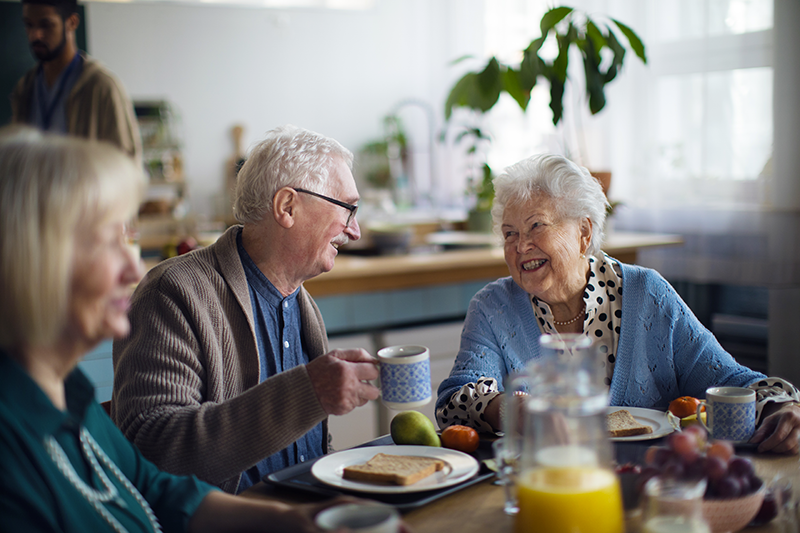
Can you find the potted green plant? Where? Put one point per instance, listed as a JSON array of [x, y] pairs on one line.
[[569, 27], [480, 90], [479, 217]]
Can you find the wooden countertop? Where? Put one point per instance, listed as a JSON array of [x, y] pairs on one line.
[[354, 274]]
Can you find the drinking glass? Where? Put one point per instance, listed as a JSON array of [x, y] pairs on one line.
[[673, 506], [507, 459]]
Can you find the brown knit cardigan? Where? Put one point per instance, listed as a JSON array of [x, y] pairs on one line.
[[186, 379]]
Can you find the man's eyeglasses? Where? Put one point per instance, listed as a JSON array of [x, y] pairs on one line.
[[350, 207]]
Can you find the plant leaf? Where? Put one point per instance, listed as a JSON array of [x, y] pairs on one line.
[[532, 65], [619, 56], [562, 60], [633, 40], [462, 58], [478, 91], [553, 17], [598, 40], [594, 80], [490, 84], [513, 86], [460, 93], [556, 98]]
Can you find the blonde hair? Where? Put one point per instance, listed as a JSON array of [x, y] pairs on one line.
[[288, 157], [51, 187]]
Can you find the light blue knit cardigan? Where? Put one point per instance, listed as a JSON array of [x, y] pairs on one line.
[[663, 352]]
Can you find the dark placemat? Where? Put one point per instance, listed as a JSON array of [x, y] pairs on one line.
[[299, 477]]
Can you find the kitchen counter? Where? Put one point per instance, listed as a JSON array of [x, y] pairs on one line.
[[354, 274]]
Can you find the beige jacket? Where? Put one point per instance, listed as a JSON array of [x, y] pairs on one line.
[[97, 107], [186, 379]]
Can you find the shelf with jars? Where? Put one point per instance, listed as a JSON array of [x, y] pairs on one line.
[[163, 217]]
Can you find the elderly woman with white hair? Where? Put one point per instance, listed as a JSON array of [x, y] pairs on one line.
[[66, 271], [550, 213]]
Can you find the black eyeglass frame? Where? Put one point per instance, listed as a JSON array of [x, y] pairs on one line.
[[350, 207]]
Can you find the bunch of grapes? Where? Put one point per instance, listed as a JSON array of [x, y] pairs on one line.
[[689, 456]]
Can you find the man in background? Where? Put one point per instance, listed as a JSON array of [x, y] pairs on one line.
[[226, 372], [68, 92]]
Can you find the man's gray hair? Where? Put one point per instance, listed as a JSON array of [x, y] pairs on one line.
[[288, 157], [575, 192]]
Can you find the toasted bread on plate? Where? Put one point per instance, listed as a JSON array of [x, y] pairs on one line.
[[622, 424], [395, 469]]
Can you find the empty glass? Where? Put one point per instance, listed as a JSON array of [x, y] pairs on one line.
[[673, 506], [506, 455]]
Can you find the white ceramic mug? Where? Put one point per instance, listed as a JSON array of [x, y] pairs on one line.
[[730, 413], [360, 517], [405, 376]]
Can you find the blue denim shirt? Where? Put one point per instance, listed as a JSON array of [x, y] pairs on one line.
[[280, 348]]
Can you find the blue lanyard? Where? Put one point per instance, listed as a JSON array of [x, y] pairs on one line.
[[47, 111]]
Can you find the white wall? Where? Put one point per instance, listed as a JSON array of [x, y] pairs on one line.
[[335, 72]]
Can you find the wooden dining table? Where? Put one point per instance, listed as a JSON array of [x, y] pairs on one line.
[[479, 507]]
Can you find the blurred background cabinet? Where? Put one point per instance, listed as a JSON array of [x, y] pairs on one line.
[[162, 216]]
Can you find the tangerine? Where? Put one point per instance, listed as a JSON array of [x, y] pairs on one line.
[[684, 406], [461, 438]]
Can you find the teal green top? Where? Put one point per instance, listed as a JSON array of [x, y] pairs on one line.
[[34, 494]]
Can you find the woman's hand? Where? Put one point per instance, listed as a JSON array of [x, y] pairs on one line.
[[779, 432]]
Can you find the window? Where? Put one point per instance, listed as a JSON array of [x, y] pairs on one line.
[[693, 127]]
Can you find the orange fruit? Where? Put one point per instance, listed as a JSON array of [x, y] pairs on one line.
[[684, 406], [461, 438]]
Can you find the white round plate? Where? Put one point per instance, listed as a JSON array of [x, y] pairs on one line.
[[460, 467], [655, 419]]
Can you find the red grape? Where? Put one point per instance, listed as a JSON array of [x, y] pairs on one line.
[[685, 445], [768, 510], [728, 487], [696, 469], [673, 468], [722, 449], [744, 482], [715, 468], [699, 432], [657, 456], [739, 466]]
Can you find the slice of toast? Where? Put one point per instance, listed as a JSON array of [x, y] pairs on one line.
[[394, 469], [622, 424]]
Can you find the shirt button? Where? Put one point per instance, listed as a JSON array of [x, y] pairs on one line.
[[285, 344], [302, 458], [286, 304]]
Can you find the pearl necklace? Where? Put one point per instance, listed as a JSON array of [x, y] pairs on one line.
[[568, 322], [92, 451]]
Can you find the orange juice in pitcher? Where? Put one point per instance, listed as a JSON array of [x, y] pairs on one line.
[[566, 483], [573, 499]]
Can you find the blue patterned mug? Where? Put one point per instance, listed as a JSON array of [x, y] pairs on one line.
[[405, 376], [730, 412]]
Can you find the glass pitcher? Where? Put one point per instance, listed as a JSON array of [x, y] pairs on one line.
[[566, 482]]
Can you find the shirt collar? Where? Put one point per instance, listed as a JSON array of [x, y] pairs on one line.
[[258, 281], [19, 390]]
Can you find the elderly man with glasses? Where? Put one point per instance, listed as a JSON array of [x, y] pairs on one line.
[[226, 372]]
